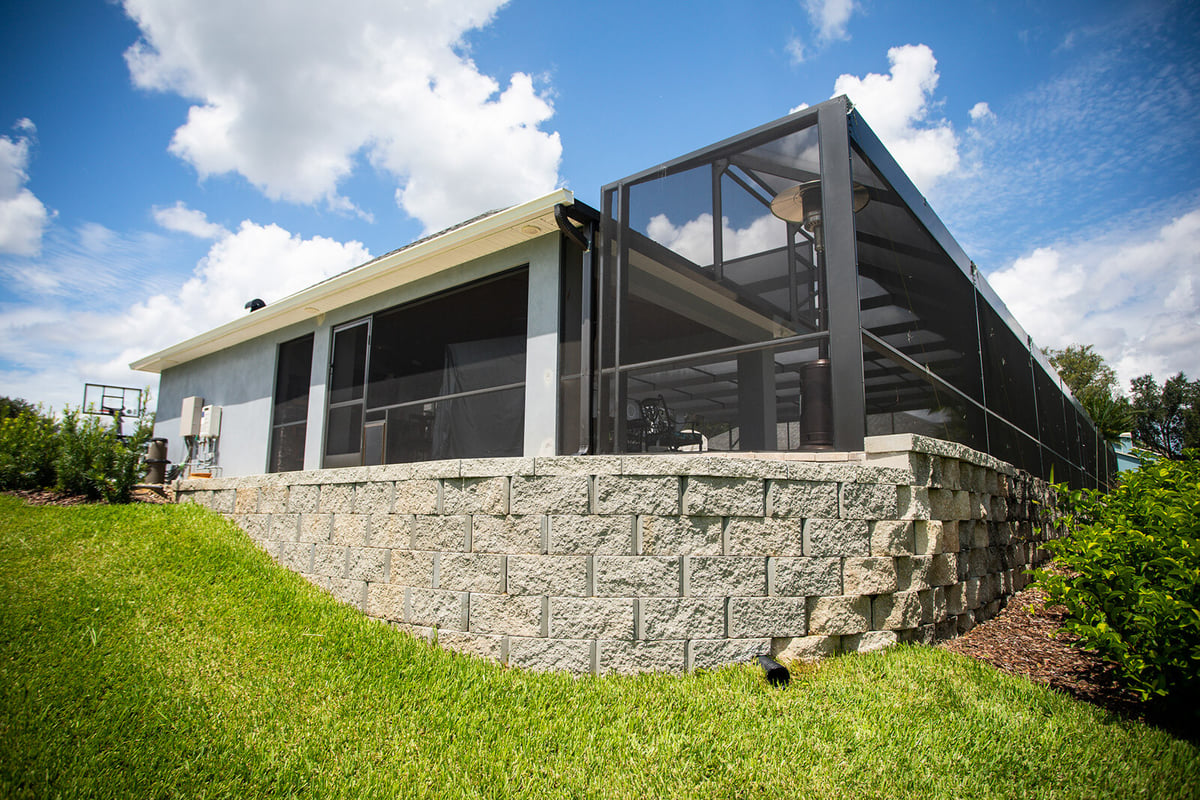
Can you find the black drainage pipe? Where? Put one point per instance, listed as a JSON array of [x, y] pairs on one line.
[[777, 674]]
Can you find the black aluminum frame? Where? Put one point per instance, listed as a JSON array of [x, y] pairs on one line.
[[842, 133]]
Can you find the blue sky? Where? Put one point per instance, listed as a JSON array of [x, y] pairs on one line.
[[163, 162]]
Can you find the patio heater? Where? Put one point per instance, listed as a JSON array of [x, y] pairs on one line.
[[801, 204]]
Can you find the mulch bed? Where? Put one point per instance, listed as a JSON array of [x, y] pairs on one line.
[[50, 497]]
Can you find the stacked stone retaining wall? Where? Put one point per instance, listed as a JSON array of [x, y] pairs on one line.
[[600, 564]]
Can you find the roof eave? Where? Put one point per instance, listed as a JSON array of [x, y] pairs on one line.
[[366, 280]]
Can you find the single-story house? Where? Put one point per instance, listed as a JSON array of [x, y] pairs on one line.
[[787, 289]]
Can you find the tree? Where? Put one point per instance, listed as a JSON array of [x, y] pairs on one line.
[[12, 407], [1094, 384], [1167, 416], [1084, 371]]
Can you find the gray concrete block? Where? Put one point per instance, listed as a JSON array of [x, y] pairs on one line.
[[789, 649], [551, 655], [315, 528], [480, 645], [943, 569], [548, 575], [912, 502], [682, 618], [636, 494], [869, 501], [713, 653], [839, 616], [296, 556], [437, 608], [373, 498], [554, 494], [623, 657], [385, 601], [329, 560], [681, 535], [804, 577], [869, 641], [506, 614], [637, 576], [591, 618], [725, 576], [508, 534], [351, 592], [802, 499], [892, 537], [585, 535], [284, 527], [390, 530], [751, 617], [871, 575], [440, 533], [256, 526], [274, 500], [896, 611], [475, 496], [336, 498], [416, 496], [301, 499], [472, 572], [836, 537], [350, 529], [412, 568], [765, 537], [367, 563], [707, 496], [495, 467]]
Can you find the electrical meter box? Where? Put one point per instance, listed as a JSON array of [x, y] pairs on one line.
[[210, 422], [189, 417]]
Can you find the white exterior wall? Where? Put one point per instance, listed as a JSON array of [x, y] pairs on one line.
[[241, 379]]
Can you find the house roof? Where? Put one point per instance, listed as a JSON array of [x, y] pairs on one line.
[[477, 237]]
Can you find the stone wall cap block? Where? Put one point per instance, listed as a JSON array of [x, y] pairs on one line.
[[495, 467], [712, 465], [577, 465]]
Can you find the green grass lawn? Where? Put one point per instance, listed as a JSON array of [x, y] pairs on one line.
[[153, 651]]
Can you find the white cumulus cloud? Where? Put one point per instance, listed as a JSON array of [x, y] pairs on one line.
[[981, 112], [292, 95], [898, 108], [830, 17], [23, 216], [188, 220], [48, 352], [694, 238], [1131, 294]]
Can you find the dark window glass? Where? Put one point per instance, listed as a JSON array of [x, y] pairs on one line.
[[1007, 371], [287, 448], [293, 374], [349, 363], [902, 400], [344, 436], [479, 329], [570, 352], [911, 293], [764, 399]]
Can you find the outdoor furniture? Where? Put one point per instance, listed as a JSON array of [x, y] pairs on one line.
[[657, 427]]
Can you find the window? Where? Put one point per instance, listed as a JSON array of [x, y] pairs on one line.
[[293, 374], [443, 377]]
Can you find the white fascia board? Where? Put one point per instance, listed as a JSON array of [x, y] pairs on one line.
[[446, 251]]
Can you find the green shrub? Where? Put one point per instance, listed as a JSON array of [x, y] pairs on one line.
[[95, 461], [28, 448], [1133, 592]]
